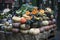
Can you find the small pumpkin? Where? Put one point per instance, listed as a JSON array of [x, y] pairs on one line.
[[42, 29], [50, 22], [34, 12], [16, 24], [24, 31], [34, 31], [41, 11], [27, 12], [48, 9], [27, 17], [47, 28], [54, 20], [15, 30], [45, 22], [7, 23], [15, 18], [23, 20], [24, 26]]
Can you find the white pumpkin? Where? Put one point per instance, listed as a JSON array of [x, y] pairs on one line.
[[45, 22], [22, 26], [16, 18], [24, 31], [7, 23], [48, 9], [34, 31]]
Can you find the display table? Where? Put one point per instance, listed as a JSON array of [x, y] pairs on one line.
[[19, 36]]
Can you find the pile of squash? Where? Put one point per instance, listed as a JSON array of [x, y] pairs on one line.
[[29, 20]]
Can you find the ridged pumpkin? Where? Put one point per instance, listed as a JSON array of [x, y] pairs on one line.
[[23, 20], [41, 11], [27, 17], [35, 11], [27, 12]]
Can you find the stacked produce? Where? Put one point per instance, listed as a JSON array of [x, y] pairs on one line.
[[30, 20]]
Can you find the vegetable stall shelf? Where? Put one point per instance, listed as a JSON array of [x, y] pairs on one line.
[[28, 23]]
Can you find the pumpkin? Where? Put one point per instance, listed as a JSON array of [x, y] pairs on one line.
[[15, 24], [23, 20], [34, 31], [24, 26], [35, 8], [15, 30], [50, 22], [7, 23], [15, 18], [24, 31], [27, 17], [37, 18], [54, 20], [42, 29], [48, 9], [27, 12], [45, 22], [52, 16], [35, 11], [41, 11], [47, 28]]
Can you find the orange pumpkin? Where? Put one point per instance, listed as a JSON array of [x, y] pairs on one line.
[[27, 12], [23, 20], [35, 8], [34, 12], [41, 11]]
